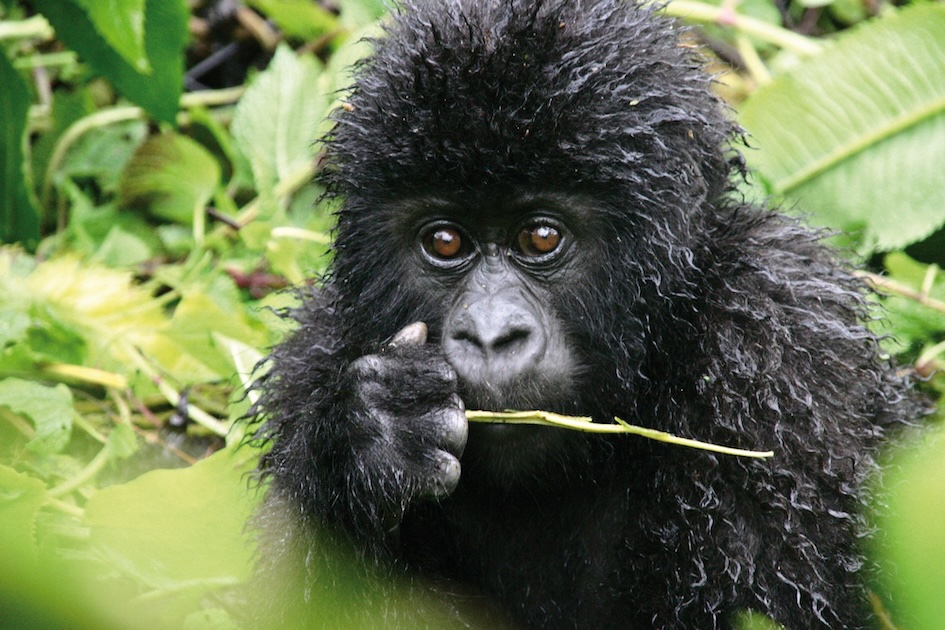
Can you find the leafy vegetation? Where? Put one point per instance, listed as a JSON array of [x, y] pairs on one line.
[[156, 159]]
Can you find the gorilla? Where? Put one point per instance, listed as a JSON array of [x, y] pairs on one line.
[[538, 209]]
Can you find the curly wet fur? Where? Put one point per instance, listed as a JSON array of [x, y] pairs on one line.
[[704, 316]]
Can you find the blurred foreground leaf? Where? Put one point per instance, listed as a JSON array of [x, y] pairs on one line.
[[911, 546], [170, 538], [21, 497]]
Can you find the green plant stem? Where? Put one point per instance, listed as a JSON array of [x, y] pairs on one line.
[[583, 423], [888, 285], [64, 58], [212, 98], [196, 414], [35, 27], [65, 508], [18, 423], [82, 374], [91, 469], [300, 234], [753, 63], [86, 426], [286, 186], [692, 10], [929, 357]]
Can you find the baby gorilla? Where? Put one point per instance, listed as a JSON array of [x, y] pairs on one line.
[[538, 211]]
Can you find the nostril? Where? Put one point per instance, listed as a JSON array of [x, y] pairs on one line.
[[465, 337], [510, 340]]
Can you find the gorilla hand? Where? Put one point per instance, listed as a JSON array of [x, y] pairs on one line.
[[405, 401]]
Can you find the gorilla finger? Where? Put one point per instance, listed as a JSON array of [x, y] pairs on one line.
[[443, 371], [445, 477], [453, 427], [370, 365], [414, 334]]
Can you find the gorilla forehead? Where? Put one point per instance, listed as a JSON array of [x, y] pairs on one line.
[[466, 93]]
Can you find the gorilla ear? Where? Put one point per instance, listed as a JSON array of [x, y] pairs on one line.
[[414, 334]]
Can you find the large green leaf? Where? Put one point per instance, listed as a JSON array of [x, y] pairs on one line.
[[277, 119], [19, 219], [911, 550], [176, 535], [165, 35], [21, 496], [856, 135], [121, 23]]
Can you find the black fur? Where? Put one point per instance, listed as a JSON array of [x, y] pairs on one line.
[[688, 310]]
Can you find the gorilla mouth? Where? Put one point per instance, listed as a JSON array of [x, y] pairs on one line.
[[533, 391], [524, 393]]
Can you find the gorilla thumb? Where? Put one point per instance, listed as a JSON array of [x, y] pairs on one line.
[[414, 334]]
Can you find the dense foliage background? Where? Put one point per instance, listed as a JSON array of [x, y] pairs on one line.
[[156, 159]]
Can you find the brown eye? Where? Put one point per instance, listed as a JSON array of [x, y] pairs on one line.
[[538, 240], [444, 242]]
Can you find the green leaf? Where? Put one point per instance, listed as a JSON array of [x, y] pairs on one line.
[[358, 14], [14, 325], [19, 217], [102, 154], [911, 549], [50, 409], [277, 119], [198, 319], [216, 138], [172, 176], [122, 442], [121, 248], [121, 23], [298, 18], [88, 313], [69, 104], [176, 534], [856, 135], [165, 36], [21, 496]]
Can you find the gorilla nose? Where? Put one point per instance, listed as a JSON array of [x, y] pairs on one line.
[[509, 338], [497, 338]]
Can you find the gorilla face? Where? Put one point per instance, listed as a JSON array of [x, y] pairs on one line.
[[497, 269], [496, 274]]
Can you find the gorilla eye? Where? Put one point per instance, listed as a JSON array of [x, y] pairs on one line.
[[538, 240], [445, 243]]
